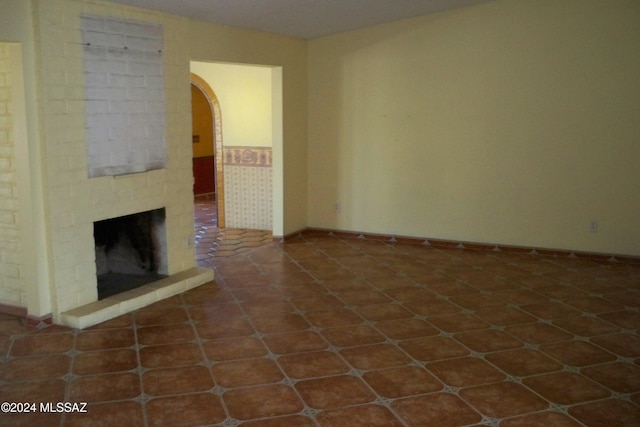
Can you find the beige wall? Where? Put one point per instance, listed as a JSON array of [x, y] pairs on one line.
[[244, 94], [512, 122]]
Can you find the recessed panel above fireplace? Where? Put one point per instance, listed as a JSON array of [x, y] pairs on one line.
[[124, 88]]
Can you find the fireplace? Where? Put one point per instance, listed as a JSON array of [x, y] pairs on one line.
[[130, 251]]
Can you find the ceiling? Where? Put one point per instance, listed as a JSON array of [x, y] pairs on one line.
[[300, 18]]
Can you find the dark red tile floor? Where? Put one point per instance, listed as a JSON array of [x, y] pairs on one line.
[[329, 331]]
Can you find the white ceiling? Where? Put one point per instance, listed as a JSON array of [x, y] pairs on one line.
[[300, 18]]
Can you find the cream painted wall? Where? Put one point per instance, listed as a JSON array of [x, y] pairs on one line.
[[244, 94], [211, 43], [511, 122], [16, 26]]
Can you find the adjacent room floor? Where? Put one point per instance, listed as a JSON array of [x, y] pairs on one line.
[[329, 331]]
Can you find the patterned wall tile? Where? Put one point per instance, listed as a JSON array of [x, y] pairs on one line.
[[248, 187]]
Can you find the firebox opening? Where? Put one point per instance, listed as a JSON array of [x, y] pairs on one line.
[[130, 251]]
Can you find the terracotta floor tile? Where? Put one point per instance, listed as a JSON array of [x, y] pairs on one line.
[[325, 302], [550, 310], [158, 356], [449, 287], [465, 372], [266, 307], [594, 305], [629, 298], [406, 328], [286, 421], [458, 322], [606, 413], [215, 313], [186, 379], [262, 401], [433, 348], [352, 335], [35, 368], [561, 291], [624, 345], [359, 416], [104, 339], [522, 297], [280, 322], [445, 410], [165, 334], [31, 419], [100, 388], [314, 364], [566, 388], [236, 327], [33, 345], [161, 316], [239, 373], [479, 301], [363, 297], [334, 392], [381, 312], [295, 342], [377, 356], [577, 353], [108, 414], [431, 308], [185, 410], [585, 326], [524, 362], [234, 348], [333, 318], [414, 293], [503, 400], [541, 419], [538, 333], [402, 382], [617, 376], [35, 392], [506, 316], [105, 361], [488, 340], [625, 319]]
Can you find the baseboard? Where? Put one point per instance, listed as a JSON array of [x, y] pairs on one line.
[[476, 246]]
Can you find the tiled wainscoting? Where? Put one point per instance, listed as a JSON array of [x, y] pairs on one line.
[[248, 188]]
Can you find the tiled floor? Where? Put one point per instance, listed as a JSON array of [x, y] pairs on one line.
[[328, 331], [213, 241]]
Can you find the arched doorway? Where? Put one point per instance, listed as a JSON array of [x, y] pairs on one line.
[[210, 143]]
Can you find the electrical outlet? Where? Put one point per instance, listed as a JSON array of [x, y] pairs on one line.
[[593, 226], [337, 207]]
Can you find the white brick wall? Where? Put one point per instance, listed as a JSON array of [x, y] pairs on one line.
[[73, 199], [11, 261]]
